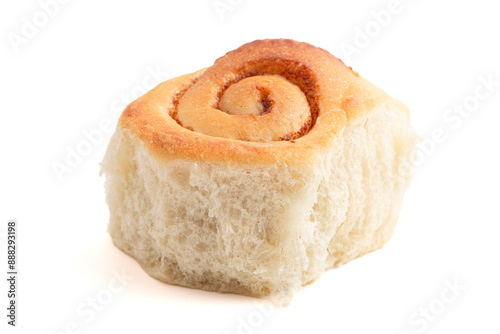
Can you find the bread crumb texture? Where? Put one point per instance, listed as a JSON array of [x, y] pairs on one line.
[[260, 230]]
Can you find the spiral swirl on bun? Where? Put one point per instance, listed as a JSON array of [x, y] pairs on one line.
[[252, 105]]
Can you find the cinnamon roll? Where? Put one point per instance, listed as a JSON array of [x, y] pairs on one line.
[[257, 174]]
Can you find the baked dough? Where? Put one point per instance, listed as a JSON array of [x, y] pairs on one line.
[[259, 173]]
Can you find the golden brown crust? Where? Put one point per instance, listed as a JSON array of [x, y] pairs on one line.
[[182, 119]]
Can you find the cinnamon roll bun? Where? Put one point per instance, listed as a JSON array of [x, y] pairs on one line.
[[257, 174]]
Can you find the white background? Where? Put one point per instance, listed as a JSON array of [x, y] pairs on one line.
[[72, 72]]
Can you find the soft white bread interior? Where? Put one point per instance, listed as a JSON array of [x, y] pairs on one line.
[[259, 230], [256, 175]]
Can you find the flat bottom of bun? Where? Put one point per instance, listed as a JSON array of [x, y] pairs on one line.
[[172, 274]]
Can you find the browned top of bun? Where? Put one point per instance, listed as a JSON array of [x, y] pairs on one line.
[[267, 101]]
